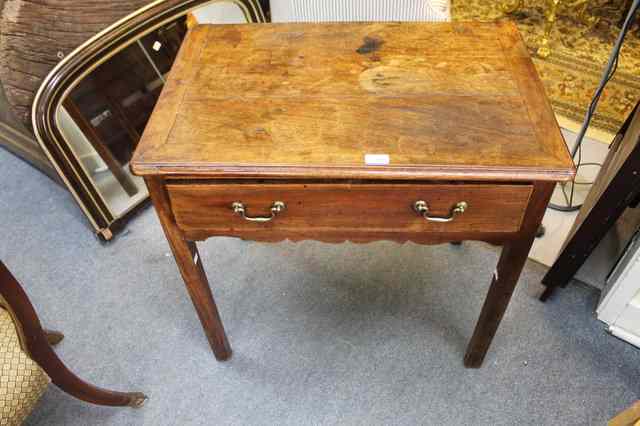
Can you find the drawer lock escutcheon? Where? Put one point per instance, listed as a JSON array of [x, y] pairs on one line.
[[422, 209], [240, 209]]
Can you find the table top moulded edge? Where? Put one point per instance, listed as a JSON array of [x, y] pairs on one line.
[[546, 128]]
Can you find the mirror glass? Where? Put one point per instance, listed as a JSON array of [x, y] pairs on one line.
[[92, 108], [105, 114]]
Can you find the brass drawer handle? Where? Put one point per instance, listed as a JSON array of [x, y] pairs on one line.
[[422, 209], [276, 207]]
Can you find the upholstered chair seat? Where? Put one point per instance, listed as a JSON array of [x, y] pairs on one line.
[[22, 381]]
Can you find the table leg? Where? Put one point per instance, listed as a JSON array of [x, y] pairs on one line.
[[503, 283], [512, 260], [188, 260]]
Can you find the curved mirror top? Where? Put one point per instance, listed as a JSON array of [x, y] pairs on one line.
[[90, 112], [104, 115]]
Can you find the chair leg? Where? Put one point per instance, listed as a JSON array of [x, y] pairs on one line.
[[37, 343], [67, 381], [53, 337]]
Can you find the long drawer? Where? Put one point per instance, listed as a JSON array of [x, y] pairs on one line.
[[221, 207]]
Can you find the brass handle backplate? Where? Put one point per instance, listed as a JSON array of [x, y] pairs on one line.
[[422, 208], [240, 209]]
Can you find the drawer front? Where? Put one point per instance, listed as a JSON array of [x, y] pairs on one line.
[[348, 207]]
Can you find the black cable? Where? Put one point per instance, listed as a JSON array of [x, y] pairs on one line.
[[610, 69]]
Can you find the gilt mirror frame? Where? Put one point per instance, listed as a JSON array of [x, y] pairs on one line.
[[70, 71]]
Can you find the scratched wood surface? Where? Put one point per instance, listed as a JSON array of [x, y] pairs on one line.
[[452, 101], [287, 112]]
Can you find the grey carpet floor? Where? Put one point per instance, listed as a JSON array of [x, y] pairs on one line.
[[368, 334]]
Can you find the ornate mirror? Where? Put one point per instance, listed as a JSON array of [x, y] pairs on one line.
[[91, 109]]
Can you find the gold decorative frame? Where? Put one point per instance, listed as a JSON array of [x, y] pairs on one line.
[[78, 64], [551, 13]]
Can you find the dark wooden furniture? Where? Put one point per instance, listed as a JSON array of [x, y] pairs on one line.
[[616, 188], [400, 131], [37, 342]]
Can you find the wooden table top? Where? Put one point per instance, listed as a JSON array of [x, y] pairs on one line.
[[445, 100]]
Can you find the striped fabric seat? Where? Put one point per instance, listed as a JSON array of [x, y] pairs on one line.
[[360, 10]]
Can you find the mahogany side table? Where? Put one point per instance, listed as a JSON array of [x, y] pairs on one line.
[[374, 131]]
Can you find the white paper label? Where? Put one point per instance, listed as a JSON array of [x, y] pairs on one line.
[[156, 46], [195, 259], [376, 159]]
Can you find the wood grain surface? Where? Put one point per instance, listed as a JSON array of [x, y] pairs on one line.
[[288, 112], [454, 101], [330, 208]]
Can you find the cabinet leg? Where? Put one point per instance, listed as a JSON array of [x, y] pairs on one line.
[[188, 260], [546, 294], [503, 283]]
